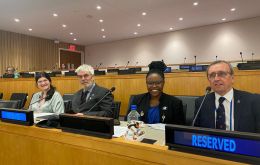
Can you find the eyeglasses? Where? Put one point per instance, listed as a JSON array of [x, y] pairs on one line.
[[42, 81], [150, 83], [220, 74]]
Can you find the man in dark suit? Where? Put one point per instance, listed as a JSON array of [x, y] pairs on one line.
[[90, 94], [227, 108]]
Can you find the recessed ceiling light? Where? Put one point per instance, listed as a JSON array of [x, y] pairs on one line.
[[195, 3], [75, 39], [135, 33], [30, 29], [104, 36], [233, 9], [143, 13], [139, 25], [102, 30], [101, 20], [55, 15], [17, 20], [223, 19], [71, 33], [98, 7], [180, 18], [171, 28], [64, 25]]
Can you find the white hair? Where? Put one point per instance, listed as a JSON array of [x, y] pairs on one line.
[[85, 68]]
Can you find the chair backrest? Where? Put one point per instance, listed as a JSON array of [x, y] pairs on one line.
[[67, 106], [129, 105], [20, 96], [188, 107], [116, 109], [1, 95], [8, 76], [67, 96], [9, 104], [70, 73]]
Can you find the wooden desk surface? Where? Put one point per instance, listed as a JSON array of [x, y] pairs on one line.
[[32, 145], [180, 83]]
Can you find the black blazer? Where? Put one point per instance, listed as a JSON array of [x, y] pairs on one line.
[[104, 108], [173, 115], [246, 111]]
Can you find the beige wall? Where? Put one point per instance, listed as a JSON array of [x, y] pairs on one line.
[[224, 40], [29, 53]]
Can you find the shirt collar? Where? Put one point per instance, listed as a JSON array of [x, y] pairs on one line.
[[228, 96]]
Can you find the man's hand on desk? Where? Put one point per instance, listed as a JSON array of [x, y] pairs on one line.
[[78, 114]]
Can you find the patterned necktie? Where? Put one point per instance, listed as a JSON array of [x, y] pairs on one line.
[[84, 96], [221, 119]]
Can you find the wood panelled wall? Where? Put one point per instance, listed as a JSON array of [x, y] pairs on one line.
[[183, 83], [27, 53]]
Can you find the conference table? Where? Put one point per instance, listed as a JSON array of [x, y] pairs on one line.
[[27, 145]]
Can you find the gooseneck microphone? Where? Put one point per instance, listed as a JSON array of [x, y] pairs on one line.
[[241, 55], [127, 64], [99, 65], [253, 56], [47, 96], [208, 89], [108, 92]]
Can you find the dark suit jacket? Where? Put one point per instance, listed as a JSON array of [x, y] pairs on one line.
[[173, 115], [104, 108], [246, 111]]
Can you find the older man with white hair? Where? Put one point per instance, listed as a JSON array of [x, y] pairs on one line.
[[90, 94]]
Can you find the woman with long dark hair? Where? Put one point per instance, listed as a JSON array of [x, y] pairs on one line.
[[48, 100]]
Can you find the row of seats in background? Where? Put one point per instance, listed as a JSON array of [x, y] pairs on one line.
[[72, 73], [18, 100]]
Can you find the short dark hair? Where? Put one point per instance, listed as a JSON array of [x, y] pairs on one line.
[[218, 62], [51, 92]]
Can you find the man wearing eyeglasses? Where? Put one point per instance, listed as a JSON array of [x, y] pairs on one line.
[[227, 108], [84, 100]]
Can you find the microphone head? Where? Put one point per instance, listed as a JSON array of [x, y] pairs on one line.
[[112, 89], [240, 53], [208, 89]]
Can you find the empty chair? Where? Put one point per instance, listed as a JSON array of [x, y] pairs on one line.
[[67, 96], [67, 106], [9, 104], [116, 109], [129, 105], [22, 97], [67, 99], [1, 96], [188, 107]]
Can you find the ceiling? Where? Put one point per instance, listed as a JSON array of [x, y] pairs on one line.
[[120, 17]]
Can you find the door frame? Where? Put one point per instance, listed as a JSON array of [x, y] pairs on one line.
[[82, 60]]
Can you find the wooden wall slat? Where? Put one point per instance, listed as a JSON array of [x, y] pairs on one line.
[[27, 53]]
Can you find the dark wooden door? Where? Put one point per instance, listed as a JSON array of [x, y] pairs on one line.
[[70, 58]]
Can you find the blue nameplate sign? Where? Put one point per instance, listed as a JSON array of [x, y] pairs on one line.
[[237, 146], [16, 116]]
